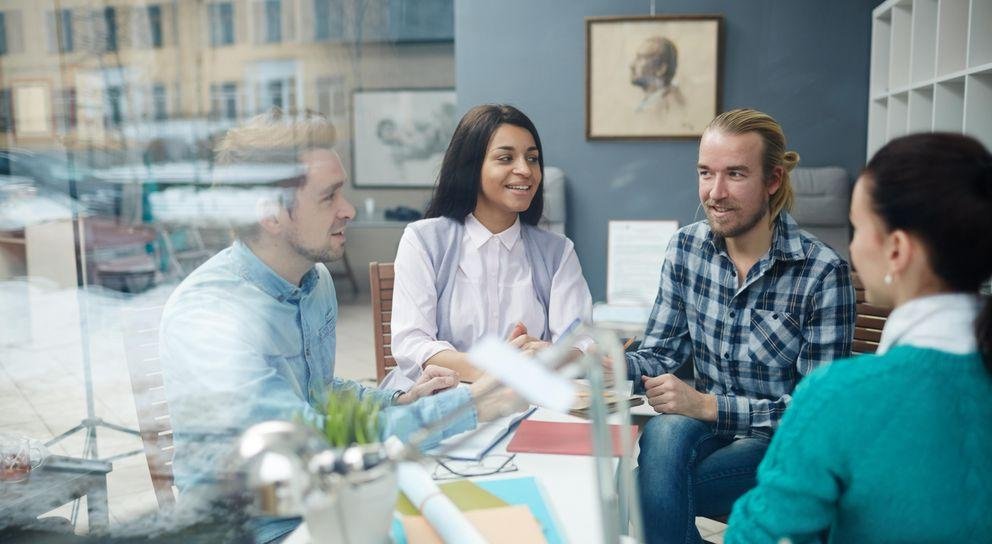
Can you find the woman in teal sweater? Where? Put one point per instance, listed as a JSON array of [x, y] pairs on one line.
[[897, 446]]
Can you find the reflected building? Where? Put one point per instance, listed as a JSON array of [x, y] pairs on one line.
[[138, 80]]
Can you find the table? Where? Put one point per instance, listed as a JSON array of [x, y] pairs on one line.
[[58, 481], [568, 482]]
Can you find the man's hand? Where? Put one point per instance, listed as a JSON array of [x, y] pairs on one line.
[[433, 379], [670, 395]]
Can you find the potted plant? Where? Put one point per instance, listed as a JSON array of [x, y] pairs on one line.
[[359, 482]]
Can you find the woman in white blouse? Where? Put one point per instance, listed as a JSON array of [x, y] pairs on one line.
[[479, 265]]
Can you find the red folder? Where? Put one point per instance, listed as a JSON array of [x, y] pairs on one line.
[[560, 438]]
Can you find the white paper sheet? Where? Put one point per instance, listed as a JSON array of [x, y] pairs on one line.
[[525, 375], [635, 251]]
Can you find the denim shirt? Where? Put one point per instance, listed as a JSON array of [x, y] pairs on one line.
[[240, 345]]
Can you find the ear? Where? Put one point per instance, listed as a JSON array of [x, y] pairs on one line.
[[775, 181], [900, 250], [270, 216]]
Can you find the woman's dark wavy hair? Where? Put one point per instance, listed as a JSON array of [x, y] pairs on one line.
[[939, 187], [458, 183]]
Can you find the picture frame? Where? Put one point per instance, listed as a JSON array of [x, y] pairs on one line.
[[652, 77], [399, 136]]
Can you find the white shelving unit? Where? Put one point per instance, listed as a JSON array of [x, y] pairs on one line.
[[931, 69]]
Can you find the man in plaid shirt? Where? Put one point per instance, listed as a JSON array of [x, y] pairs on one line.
[[754, 304]]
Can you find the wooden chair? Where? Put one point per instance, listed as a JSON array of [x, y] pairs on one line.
[[869, 323], [140, 327], [381, 284]]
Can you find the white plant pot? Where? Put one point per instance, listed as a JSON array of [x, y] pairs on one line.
[[359, 509]]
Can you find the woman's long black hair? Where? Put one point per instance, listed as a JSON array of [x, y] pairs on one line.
[[458, 183]]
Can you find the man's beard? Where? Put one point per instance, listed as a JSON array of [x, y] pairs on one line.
[[323, 255], [734, 230]]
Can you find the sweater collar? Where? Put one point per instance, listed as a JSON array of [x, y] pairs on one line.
[[945, 322]]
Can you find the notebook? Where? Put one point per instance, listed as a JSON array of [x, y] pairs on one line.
[[474, 444], [561, 438]]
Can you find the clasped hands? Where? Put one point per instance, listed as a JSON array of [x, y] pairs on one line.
[[669, 395]]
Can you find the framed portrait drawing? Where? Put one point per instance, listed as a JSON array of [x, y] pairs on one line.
[[652, 77], [399, 135]]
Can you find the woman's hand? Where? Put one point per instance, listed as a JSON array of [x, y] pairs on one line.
[[524, 342], [432, 380], [493, 401]]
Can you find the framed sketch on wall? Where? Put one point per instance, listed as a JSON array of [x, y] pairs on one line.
[[652, 77], [399, 135]]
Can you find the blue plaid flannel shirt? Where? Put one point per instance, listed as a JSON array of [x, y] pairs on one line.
[[751, 345]]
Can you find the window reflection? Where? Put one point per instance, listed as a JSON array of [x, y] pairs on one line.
[[109, 196]]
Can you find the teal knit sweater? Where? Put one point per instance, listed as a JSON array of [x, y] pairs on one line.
[[889, 448]]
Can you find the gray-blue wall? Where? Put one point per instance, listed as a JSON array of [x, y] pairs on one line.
[[803, 61]]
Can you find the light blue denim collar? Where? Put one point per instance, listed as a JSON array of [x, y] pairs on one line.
[[259, 274]]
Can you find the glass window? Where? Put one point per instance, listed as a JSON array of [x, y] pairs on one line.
[[273, 21], [3, 33], [110, 27], [221, 24], [328, 19], [159, 102], [6, 111], [155, 25], [115, 187]]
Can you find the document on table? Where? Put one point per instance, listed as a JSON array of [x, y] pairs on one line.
[[473, 445], [635, 251]]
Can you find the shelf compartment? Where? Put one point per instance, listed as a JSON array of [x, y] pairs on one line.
[[895, 124], [952, 22], [948, 106], [924, 48], [921, 110], [980, 34], [977, 97], [877, 117], [902, 17], [881, 38]]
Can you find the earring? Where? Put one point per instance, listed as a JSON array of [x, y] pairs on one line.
[[887, 279]]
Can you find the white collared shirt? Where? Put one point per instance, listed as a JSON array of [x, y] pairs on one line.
[[945, 322], [493, 290]]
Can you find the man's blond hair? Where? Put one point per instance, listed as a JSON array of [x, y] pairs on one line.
[[743, 121], [275, 137]]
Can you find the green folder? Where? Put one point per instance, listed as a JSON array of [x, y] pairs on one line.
[[464, 493]]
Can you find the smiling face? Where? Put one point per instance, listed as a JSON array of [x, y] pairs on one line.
[[318, 219], [511, 174], [732, 186]]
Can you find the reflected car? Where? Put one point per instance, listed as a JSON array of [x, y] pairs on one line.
[[96, 195]]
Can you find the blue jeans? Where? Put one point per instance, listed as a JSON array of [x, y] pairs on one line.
[[685, 469]]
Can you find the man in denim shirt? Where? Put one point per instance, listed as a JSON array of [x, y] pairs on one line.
[[754, 304], [249, 336]]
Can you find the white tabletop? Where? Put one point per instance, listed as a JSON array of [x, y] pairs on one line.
[[567, 481]]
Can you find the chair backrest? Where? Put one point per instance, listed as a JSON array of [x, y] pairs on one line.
[[381, 284], [870, 320], [140, 327]]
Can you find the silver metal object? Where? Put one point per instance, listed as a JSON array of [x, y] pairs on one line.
[[274, 459]]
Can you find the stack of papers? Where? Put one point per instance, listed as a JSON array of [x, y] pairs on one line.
[[508, 510], [474, 444]]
